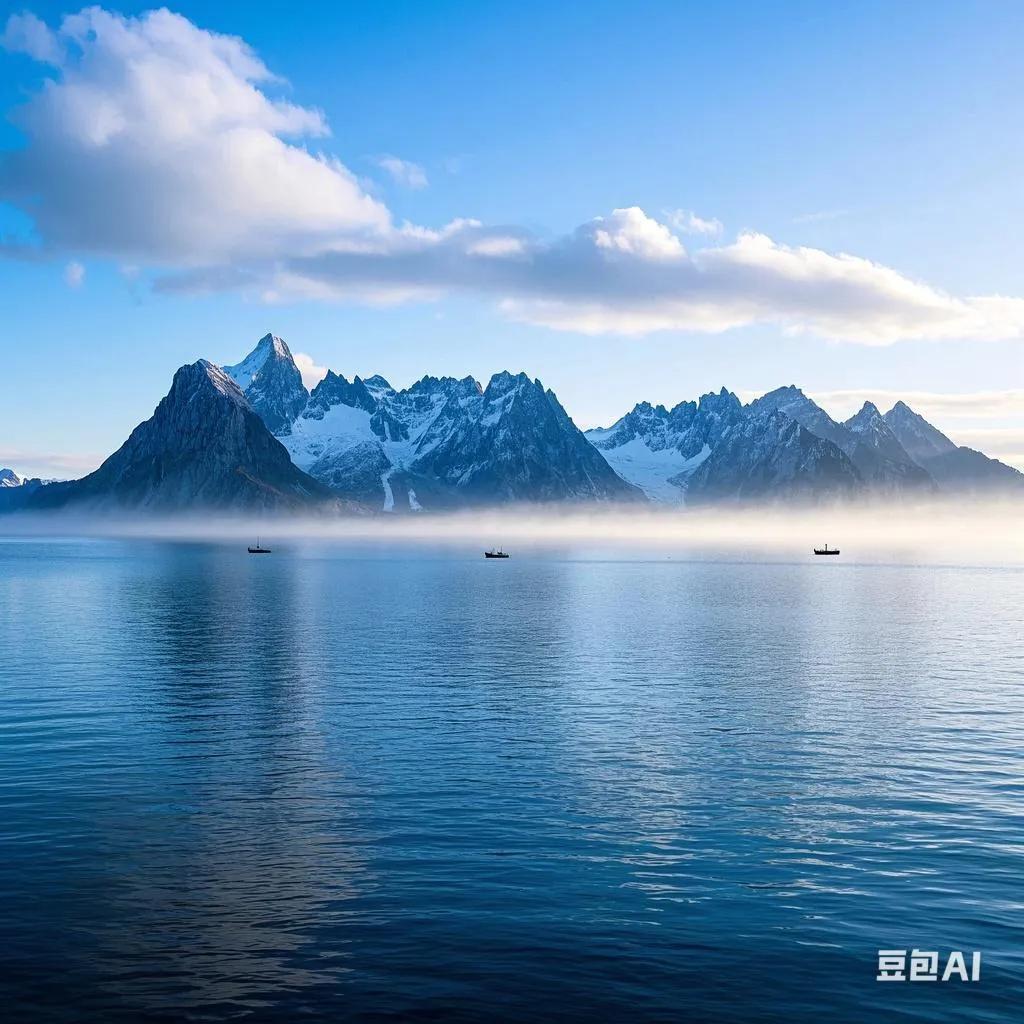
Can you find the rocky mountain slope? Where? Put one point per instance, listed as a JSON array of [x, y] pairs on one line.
[[876, 451], [203, 447], [442, 443], [716, 449], [769, 456], [250, 437], [954, 468]]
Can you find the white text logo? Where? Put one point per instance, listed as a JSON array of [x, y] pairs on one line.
[[923, 965]]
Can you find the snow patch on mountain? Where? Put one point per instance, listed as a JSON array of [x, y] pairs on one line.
[[445, 442], [659, 473]]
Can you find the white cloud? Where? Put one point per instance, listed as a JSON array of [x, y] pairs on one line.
[[74, 274], [311, 373], [690, 224], [194, 170], [156, 142], [25, 33], [632, 232], [404, 172], [497, 246]]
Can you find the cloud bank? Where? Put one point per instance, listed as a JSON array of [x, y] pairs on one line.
[[160, 144]]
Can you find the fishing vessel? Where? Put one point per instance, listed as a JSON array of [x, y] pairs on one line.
[[258, 550], [826, 550], [496, 553]]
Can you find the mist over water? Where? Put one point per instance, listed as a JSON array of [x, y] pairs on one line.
[[988, 532], [653, 767]]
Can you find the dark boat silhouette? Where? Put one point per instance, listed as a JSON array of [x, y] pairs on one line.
[[496, 554], [258, 550], [826, 550]]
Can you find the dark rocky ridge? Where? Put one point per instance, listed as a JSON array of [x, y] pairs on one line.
[[203, 447]]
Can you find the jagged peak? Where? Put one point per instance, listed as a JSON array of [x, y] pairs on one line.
[[275, 344], [269, 347], [203, 371], [686, 405], [504, 381], [330, 381], [787, 390], [723, 397], [867, 416]]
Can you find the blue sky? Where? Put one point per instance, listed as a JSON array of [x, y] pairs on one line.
[[889, 132]]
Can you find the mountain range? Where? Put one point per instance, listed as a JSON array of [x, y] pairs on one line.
[[250, 436]]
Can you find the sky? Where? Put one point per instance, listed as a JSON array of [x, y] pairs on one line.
[[642, 201]]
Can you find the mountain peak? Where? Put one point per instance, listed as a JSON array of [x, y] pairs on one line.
[[921, 440], [202, 370], [8, 478], [272, 343], [204, 446], [504, 382], [866, 418], [375, 385], [272, 383]]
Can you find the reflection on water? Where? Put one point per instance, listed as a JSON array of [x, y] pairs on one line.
[[338, 784]]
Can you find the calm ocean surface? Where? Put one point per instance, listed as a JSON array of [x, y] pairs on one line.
[[341, 783]]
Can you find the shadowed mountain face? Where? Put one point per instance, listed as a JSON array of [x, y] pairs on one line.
[[441, 443], [865, 438], [446, 443], [449, 443], [718, 450], [770, 456], [954, 468], [795, 404], [203, 447], [876, 451]]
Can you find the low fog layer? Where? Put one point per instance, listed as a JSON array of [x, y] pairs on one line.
[[975, 532]]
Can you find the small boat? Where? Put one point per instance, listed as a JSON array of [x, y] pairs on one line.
[[496, 553], [826, 550], [258, 550]]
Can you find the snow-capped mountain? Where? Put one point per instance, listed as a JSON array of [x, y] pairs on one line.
[[953, 468], [716, 449], [445, 442], [270, 380], [657, 449], [442, 443], [203, 447]]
